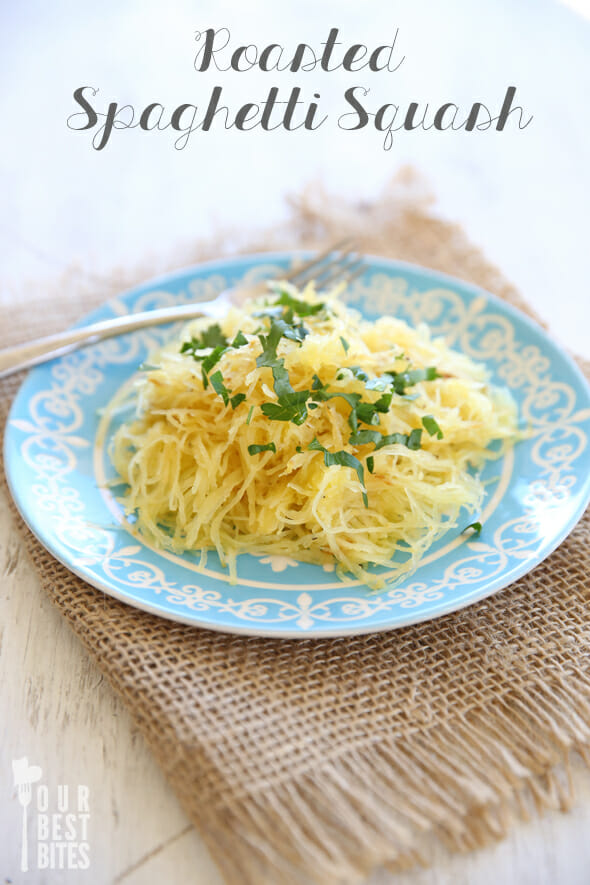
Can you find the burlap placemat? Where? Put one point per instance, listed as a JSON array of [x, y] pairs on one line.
[[322, 759]]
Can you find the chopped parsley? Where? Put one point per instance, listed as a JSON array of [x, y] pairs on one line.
[[364, 437], [410, 377], [211, 337], [301, 308], [322, 395], [414, 440], [289, 330], [367, 413], [219, 387], [380, 383], [239, 340], [281, 380], [290, 407], [237, 399], [399, 381], [431, 425], [476, 526], [342, 459], [345, 344], [269, 343], [256, 449], [210, 361]]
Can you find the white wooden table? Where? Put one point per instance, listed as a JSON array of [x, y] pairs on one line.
[[522, 196]]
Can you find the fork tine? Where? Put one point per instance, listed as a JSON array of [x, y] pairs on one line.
[[300, 274], [334, 264], [342, 272], [348, 278]]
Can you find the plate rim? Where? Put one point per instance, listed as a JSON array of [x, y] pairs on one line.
[[275, 631]]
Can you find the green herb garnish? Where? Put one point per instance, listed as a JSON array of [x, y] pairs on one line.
[[320, 393], [210, 361], [219, 387], [364, 437], [379, 440], [256, 449], [359, 410], [211, 337], [269, 342], [379, 383], [414, 440], [410, 377], [301, 308], [237, 399], [289, 330], [358, 373], [291, 407], [476, 526], [239, 340], [368, 413], [341, 459], [431, 425], [282, 384]]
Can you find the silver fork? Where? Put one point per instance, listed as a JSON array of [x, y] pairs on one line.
[[337, 264]]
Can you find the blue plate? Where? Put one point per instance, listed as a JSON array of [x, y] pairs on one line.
[[57, 466]]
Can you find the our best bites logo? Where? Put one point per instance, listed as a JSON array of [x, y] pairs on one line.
[[293, 107], [58, 839]]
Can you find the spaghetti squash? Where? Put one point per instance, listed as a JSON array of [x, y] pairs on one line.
[[295, 427]]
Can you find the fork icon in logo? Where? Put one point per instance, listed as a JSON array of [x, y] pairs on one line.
[[25, 776]]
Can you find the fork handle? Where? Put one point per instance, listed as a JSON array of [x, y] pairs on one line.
[[23, 356]]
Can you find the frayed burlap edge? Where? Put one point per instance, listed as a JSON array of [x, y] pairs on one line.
[[454, 772]]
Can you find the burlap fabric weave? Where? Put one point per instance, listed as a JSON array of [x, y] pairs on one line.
[[323, 759]]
